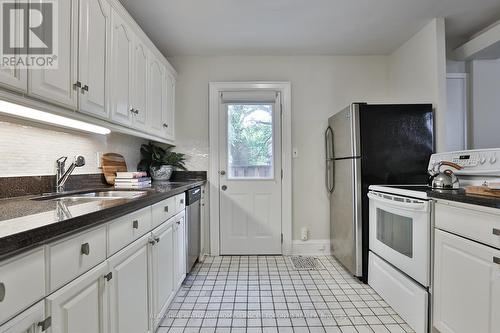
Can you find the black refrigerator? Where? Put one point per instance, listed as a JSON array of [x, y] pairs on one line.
[[371, 144]]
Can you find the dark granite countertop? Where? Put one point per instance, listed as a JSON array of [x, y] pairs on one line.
[[27, 223], [461, 196]]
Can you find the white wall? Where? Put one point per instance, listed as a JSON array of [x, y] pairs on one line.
[[321, 86], [28, 149], [417, 74], [484, 81]]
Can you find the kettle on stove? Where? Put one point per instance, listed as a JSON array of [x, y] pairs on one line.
[[444, 180]]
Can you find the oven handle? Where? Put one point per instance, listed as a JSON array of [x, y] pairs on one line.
[[421, 206]]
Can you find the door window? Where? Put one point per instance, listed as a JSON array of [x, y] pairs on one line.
[[250, 141], [395, 231]]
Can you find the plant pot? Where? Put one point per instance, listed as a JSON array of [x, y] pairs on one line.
[[161, 173]]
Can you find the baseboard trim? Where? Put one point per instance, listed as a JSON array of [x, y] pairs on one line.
[[315, 247]]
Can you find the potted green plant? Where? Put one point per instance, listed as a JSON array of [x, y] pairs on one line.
[[160, 162]]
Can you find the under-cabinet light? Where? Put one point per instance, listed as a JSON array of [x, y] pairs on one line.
[[21, 111]]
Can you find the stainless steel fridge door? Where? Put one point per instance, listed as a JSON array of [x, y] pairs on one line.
[[330, 163], [345, 215], [345, 127]]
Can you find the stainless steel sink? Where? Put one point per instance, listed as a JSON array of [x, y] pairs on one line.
[[96, 195]]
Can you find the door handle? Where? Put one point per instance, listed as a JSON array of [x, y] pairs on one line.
[[85, 249], [224, 187]]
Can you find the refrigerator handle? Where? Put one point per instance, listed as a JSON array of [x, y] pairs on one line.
[[330, 182]]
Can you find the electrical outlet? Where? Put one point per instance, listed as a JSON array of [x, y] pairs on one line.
[[98, 156]]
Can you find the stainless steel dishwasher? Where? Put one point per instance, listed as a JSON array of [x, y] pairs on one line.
[[193, 219]]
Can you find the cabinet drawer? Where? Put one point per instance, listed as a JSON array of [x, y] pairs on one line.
[[128, 228], [474, 224], [27, 321], [22, 282], [72, 257], [163, 210], [180, 203]]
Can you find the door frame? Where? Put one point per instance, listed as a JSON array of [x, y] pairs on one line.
[[215, 89]]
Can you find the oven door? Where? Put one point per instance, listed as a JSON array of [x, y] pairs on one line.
[[400, 233]]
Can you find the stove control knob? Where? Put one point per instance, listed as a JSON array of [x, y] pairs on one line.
[[493, 159], [482, 160]]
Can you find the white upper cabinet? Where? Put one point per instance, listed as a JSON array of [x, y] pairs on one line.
[[14, 78], [157, 97], [140, 82], [122, 40], [169, 110], [93, 33], [58, 85]]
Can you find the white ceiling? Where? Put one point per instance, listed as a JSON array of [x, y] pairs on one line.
[[302, 27]]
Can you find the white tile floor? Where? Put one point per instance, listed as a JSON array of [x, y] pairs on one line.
[[265, 294]]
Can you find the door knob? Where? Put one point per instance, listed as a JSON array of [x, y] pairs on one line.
[[224, 187], [222, 172]]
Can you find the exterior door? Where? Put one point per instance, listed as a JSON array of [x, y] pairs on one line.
[[93, 29], [250, 173]]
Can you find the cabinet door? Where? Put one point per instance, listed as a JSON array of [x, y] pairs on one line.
[[168, 113], [140, 91], [93, 29], [129, 289], [121, 70], [157, 97], [80, 306], [56, 85], [466, 286], [26, 322], [179, 250], [162, 264], [15, 78]]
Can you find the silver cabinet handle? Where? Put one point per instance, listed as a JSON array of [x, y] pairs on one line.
[[496, 260], [178, 222], [152, 242], [132, 110], [44, 325], [157, 239], [165, 125], [224, 187], [182, 201], [85, 249], [77, 85], [222, 172], [2, 291], [166, 209], [85, 88], [135, 224], [496, 232], [108, 276]]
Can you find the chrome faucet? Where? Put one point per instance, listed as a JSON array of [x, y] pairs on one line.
[[62, 174]]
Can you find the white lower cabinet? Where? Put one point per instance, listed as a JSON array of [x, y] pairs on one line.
[[81, 306], [162, 274], [179, 249], [30, 321], [128, 289], [466, 285]]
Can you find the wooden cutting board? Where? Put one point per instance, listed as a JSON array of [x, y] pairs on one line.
[[112, 163], [482, 190]]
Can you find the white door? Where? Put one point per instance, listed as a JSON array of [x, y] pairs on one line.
[[58, 85], [250, 173], [80, 306], [28, 321], [93, 28], [140, 91], [15, 78], [121, 70], [179, 250], [466, 285], [156, 96], [162, 263], [129, 289]]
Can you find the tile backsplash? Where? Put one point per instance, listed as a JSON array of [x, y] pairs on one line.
[[28, 150]]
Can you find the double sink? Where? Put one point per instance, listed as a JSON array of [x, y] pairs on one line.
[[91, 195]]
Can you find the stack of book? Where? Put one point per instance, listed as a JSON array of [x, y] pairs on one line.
[[136, 179]]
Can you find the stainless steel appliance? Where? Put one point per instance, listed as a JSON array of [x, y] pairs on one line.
[[193, 233], [401, 234], [371, 144]]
